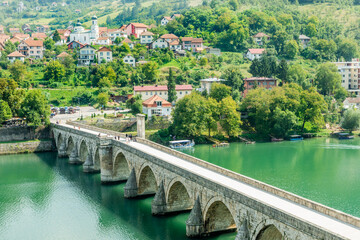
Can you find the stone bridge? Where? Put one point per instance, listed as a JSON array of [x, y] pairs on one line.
[[219, 199]]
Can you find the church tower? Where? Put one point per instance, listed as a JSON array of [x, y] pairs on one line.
[[94, 28]]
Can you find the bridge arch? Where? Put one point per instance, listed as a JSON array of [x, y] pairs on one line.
[[147, 181], [70, 145], [96, 159], [83, 151], [268, 229], [178, 197], [218, 217], [121, 169], [59, 140]]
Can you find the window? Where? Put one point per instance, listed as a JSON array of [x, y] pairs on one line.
[[146, 93], [271, 83], [251, 83], [156, 111], [180, 93], [264, 83], [158, 103]]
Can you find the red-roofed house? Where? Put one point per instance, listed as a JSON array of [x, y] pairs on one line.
[[136, 29], [255, 53], [40, 36], [103, 41], [258, 38], [192, 43], [157, 106], [75, 45], [32, 48], [165, 20], [147, 92], [104, 54], [2, 29], [12, 57], [264, 82]]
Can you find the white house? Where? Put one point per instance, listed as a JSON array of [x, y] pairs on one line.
[[12, 57], [304, 40], [156, 106], [84, 36], [104, 54], [103, 41], [207, 83], [352, 103], [87, 55], [146, 37], [147, 92], [117, 34], [175, 45], [259, 37], [128, 42], [165, 20], [255, 53], [160, 43], [128, 59]]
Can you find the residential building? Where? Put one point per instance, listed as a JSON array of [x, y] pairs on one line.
[[26, 28], [128, 59], [21, 7], [255, 53], [103, 41], [205, 84], [40, 36], [190, 43], [63, 55], [87, 55], [62, 41], [21, 36], [136, 29], [104, 54], [260, 37], [175, 45], [146, 37], [12, 57], [2, 31], [77, 11], [169, 37], [64, 32], [215, 51], [165, 20], [75, 45], [147, 92], [32, 48], [350, 75], [176, 15], [43, 29], [156, 106], [263, 82], [352, 103], [128, 42], [85, 36], [4, 38], [5, 3], [160, 43], [14, 30], [15, 40], [116, 34], [304, 40]]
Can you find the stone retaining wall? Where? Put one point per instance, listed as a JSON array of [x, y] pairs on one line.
[[8, 134], [26, 147]]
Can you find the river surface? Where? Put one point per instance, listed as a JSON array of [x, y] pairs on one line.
[[42, 197]]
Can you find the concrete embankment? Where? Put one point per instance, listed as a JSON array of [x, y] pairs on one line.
[[26, 147]]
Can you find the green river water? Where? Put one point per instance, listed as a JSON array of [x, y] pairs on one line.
[[42, 197]]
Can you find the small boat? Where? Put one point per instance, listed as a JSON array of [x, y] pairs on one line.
[[343, 136], [223, 144], [296, 138], [181, 144], [277, 139]]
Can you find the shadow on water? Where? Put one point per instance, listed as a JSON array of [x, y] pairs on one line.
[[134, 212]]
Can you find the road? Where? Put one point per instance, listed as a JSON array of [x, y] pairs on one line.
[[323, 221]]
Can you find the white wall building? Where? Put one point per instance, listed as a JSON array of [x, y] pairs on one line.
[[156, 106], [128, 59], [146, 37], [147, 92], [84, 36], [160, 43], [207, 83], [255, 53], [350, 75]]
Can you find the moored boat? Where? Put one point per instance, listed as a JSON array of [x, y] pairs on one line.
[[273, 139], [296, 138], [181, 144], [343, 136]]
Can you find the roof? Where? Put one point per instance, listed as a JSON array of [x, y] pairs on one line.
[[147, 33], [63, 55], [139, 25], [104, 49], [260, 35], [151, 102], [197, 40], [16, 54], [259, 79], [39, 35], [63, 31], [161, 88], [21, 35], [256, 50], [33, 43], [103, 38], [175, 42], [87, 45], [126, 40], [171, 36], [303, 37], [167, 18], [14, 29], [186, 39], [212, 80], [103, 29], [176, 15], [15, 39], [353, 100]]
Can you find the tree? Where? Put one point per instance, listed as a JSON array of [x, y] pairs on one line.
[[203, 61], [56, 37], [282, 70], [104, 83], [103, 99], [150, 70], [35, 108], [230, 118], [171, 87], [5, 111], [18, 71], [351, 120], [327, 78], [49, 44], [348, 49], [310, 30], [284, 121], [135, 104], [234, 78], [54, 72], [291, 49], [210, 112], [297, 74], [219, 91]]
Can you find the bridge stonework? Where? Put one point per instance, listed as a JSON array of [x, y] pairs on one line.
[[214, 208]]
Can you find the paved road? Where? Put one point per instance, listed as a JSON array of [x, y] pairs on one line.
[[84, 111], [323, 221]]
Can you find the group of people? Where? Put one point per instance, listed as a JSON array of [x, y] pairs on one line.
[[129, 137]]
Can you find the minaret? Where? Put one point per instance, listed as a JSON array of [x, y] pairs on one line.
[[94, 28]]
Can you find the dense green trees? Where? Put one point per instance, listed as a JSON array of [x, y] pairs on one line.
[[171, 87], [35, 108], [350, 120], [327, 78], [219, 91], [54, 72], [5, 111]]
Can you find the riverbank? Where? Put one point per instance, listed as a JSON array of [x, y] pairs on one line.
[[33, 146]]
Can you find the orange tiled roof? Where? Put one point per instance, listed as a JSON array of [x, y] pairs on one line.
[[16, 54], [151, 102]]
